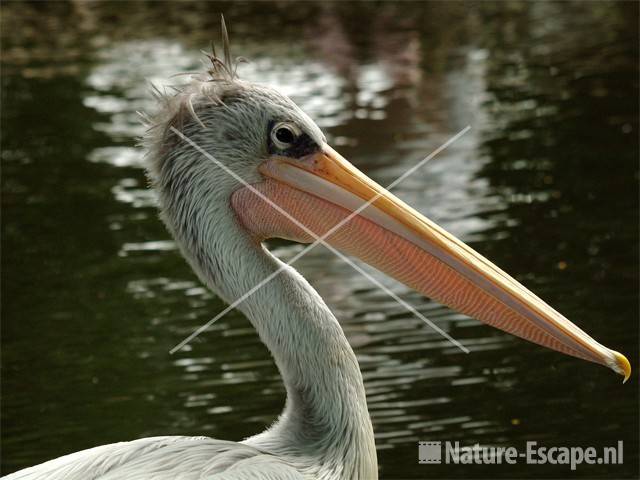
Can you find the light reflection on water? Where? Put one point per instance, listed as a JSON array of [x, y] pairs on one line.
[[121, 296]]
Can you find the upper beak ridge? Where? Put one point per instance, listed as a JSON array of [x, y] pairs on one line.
[[467, 281]]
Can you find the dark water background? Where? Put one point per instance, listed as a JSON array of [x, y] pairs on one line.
[[545, 184]]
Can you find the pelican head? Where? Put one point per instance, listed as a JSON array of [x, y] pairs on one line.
[[281, 157]]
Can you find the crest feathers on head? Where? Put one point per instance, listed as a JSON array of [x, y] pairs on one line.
[[225, 68], [209, 87]]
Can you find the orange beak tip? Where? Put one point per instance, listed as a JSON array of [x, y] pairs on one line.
[[622, 366]]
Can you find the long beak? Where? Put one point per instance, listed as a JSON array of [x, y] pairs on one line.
[[323, 189]]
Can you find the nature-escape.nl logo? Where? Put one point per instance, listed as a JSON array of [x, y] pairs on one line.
[[533, 454]]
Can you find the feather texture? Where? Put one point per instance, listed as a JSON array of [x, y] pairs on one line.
[[163, 458]]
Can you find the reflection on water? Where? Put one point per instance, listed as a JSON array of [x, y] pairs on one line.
[[95, 294]]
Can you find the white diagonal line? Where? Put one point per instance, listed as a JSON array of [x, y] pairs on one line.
[[241, 299], [318, 240]]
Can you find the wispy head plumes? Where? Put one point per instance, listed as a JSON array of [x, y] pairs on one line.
[[182, 103], [225, 68]]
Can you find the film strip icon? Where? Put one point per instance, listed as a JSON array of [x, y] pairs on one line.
[[429, 452]]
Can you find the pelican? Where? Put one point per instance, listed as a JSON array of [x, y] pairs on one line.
[[235, 163]]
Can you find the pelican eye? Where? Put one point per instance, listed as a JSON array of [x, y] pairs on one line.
[[284, 135]]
